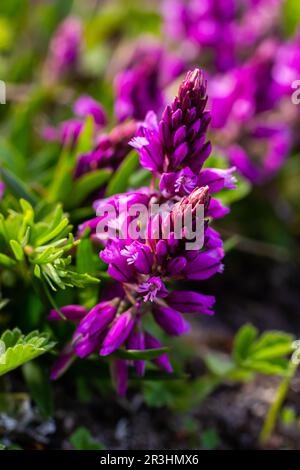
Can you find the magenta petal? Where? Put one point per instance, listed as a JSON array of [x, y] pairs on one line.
[[162, 361], [71, 312], [118, 333], [137, 341], [119, 374], [170, 320], [191, 302], [86, 105], [63, 362]]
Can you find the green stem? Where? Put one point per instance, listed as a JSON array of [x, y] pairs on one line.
[[274, 409], [52, 301]]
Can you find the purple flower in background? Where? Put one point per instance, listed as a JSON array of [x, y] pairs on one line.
[[68, 131], [110, 149], [221, 29], [247, 108], [64, 49], [86, 106], [139, 88], [2, 189]]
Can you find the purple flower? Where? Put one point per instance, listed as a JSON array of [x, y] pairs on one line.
[[136, 341], [91, 328], [221, 29], [64, 49], [191, 302], [152, 289], [110, 150], [63, 362], [87, 106], [217, 179], [170, 320], [118, 333], [71, 312], [179, 139], [119, 373], [139, 255], [201, 266], [180, 183], [139, 87], [142, 265], [161, 361]]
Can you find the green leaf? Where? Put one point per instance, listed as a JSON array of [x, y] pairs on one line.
[[86, 184], [17, 187], [271, 367], [53, 233], [6, 261], [38, 382], [291, 16], [140, 355], [17, 250], [18, 349], [218, 364], [82, 439], [271, 344], [86, 260], [120, 181], [85, 140], [243, 341], [210, 439]]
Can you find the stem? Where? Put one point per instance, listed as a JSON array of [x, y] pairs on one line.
[[52, 301], [274, 409]]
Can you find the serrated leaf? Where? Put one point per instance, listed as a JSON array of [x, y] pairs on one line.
[[20, 349], [119, 182]]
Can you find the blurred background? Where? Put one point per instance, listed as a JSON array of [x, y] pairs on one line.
[[51, 53]]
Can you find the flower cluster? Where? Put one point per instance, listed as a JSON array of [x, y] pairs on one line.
[[109, 148], [139, 87], [251, 69], [143, 269], [252, 110], [225, 29]]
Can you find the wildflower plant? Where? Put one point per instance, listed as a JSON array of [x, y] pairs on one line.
[[144, 268]]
